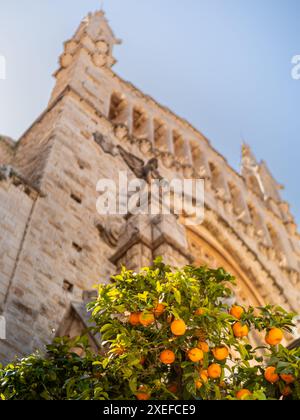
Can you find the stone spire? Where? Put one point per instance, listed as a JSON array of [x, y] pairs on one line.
[[92, 45], [95, 34], [258, 176], [250, 169]]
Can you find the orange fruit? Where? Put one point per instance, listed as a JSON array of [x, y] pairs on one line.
[[286, 391], [146, 319], [236, 312], [134, 319], [271, 375], [167, 357], [173, 388], [203, 379], [214, 371], [202, 345], [220, 353], [142, 361], [143, 394], [159, 310], [240, 330], [200, 311], [199, 384], [243, 393], [204, 375], [288, 379], [274, 337], [195, 355], [178, 327]]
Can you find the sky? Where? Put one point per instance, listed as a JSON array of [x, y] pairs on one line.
[[225, 65]]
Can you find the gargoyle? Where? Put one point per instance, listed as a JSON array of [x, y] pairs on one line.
[[107, 145], [110, 229], [141, 170]]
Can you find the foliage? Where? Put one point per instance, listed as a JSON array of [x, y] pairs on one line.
[[130, 364], [61, 375]]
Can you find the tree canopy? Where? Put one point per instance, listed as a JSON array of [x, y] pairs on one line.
[[166, 335]]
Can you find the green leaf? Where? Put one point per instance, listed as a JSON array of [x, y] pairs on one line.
[[159, 288], [177, 295], [105, 328], [105, 363], [218, 393], [133, 385], [143, 296]]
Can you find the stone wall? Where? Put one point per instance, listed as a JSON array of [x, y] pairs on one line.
[[15, 210]]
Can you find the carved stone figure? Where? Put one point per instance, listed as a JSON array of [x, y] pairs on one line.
[[107, 145], [110, 229]]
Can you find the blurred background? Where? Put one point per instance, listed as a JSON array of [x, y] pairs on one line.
[[225, 65]]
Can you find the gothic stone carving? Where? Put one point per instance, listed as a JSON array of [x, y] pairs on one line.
[[141, 170]]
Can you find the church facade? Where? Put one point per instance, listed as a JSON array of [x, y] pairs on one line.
[[54, 246]]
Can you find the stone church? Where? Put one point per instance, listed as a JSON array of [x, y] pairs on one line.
[[54, 246]]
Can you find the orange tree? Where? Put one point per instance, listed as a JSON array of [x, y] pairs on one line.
[[166, 334]]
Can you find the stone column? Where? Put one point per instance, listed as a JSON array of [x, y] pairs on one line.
[[170, 142], [146, 237], [135, 244], [151, 130], [170, 241], [188, 153], [130, 118]]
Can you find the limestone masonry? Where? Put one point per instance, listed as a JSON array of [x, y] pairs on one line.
[[54, 247]]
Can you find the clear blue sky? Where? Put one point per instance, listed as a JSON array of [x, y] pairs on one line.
[[225, 65]]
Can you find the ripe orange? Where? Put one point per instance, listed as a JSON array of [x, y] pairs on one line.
[[146, 319], [243, 394], [200, 311], [173, 388], [203, 379], [214, 371], [274, 337], [288, 379], [134, 319], [271, 375], [204, 375], [167, 357], [286, 391], [237, 312], [143, 394], [195, 355], [220, 353], [178, 327], [202, 345], [199, 384], [159, 309], [240, 330]]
